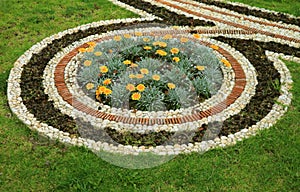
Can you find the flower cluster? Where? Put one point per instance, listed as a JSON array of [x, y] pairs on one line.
[[146, 71]]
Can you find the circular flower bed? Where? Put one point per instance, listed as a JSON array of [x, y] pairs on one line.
[[154, 89], [149, 73]]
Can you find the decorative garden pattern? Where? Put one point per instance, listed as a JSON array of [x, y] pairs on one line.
[[186, 77]]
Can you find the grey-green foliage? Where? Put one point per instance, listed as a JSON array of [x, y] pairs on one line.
[[201, 85], [151, 64], [88, 74], [214, 78], [182, 97], [120, 96], [151, 100]]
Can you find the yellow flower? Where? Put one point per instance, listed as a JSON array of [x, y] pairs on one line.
[[159, 43], [175, 27], [100, 89], [156, 77], [155, 43], [226, 63], [127, 36], [140, 87], [184, 40], [132, 76], [176, 59], [87, 63], [144, 71], [215, 47], [130, 87], [167, 36], [127, 62], [139, 76], [137, 33], [107, 91], [98, 53], [134, 65], [147, 48], [161, 52], [107, 82], [92, 44], [200, 68], [174, 50], [146, 39], [103, 69], [110, 51], [90, 49], [82, 50], [135, 96], [196, 35], [117, 38], [163, 44], [89, 86], [171, 85]]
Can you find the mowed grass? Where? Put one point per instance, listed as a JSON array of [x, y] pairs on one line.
[[28, 162]]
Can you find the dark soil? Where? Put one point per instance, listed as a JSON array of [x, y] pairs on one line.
[[257, 13], [169, 17]]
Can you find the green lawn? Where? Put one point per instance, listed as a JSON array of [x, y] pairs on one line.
[[267, 162]]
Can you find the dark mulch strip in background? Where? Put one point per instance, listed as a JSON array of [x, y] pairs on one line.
[[169, 17], [37, 102], [257, 13]]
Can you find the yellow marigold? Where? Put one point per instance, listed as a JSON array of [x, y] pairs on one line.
[[127, 62], [107, 91], [174, 50], [144, 71], [117, 38], [139, 76], [132, 76], [226, 63], [134, 65], [175, 27], [176, 59], [87, 63], [163, 44], [156, 77], [184, 40], [100, 89], [146, 39], [130, 87], [140, 87], [103, 69], [135, 96], [82, 50], [196, 35], [215, 47], [107, 82], [167, 36], [137, 33], [89, 49], [92, 44], [161, 52], [110, 51], [89, 86], [171, 85], [147, 48], [200, 68], [98, 53], [155, 43], [127, 36]]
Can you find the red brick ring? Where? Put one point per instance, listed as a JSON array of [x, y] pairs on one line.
[[240, 83]]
